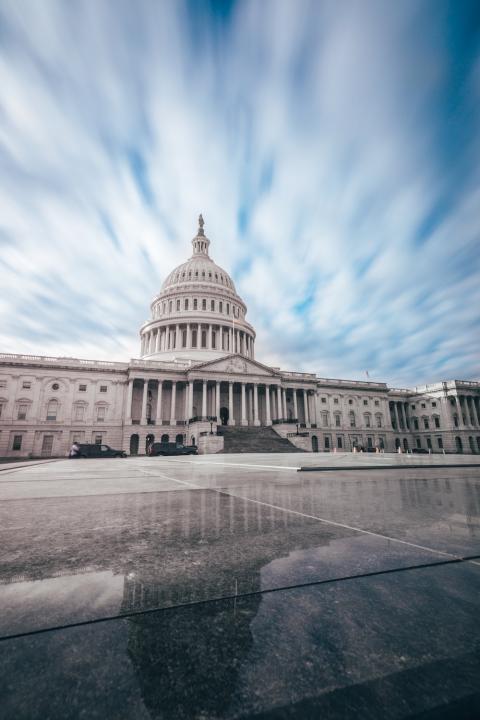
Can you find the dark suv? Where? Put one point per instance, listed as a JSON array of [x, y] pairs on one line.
[[96, 451], [171, 448]]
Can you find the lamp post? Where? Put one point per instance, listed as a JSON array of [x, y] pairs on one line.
[[297, 428], [211, 427]]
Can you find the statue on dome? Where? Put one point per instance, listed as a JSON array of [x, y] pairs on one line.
[[201, 223]]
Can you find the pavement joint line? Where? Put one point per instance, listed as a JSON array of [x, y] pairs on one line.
[[236, 597], [316, 517], [206, 462]]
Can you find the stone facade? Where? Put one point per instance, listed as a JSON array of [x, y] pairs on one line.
[[198, 370]]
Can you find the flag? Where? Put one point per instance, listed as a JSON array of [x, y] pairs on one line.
[[367, 373]]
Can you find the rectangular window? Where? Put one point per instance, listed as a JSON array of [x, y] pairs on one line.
[[429, 443], [339, 443], [17, 442], [379, 421], [214, 340], [437, 422], [423, 405], [79, 412], [413, 407], [337, 420], [22, 412], [419, 442], [324, 400], [82, 388], [184, 338], [195, 304], [434, 404], [220, 307], [367, 421], [1, 409], [324, 419], [204, 304], [426, 423], [415, 423], [212, 306], [204, 338], [178, 305], [365, 402], [228, 308], [185, 305], [101, 414], [194, 338], [350, 402], [335, 401], [26, 385], [377, 403], [98, 439], [3, 383], [103, 388], [440, 443]]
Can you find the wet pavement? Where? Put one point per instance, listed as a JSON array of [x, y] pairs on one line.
[[236, 587]]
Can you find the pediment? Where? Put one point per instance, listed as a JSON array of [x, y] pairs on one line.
[[237, 365]]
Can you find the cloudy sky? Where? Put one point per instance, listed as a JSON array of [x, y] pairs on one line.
[[333, 148]]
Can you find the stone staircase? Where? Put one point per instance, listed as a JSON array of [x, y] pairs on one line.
[[254, 440]]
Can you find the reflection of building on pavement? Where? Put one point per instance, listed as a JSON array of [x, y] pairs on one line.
[[197, 365]]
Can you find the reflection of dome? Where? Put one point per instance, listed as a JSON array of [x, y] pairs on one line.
[[197, 315]]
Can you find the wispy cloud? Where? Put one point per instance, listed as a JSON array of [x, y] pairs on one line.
[[333, 148]]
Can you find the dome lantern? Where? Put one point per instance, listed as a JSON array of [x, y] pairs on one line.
[[200, 242]]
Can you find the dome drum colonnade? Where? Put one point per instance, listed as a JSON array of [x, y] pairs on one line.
[[198, 314], [232, 402]]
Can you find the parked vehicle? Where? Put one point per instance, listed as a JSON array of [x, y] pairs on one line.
[[171, 448], [420, 451], [97, 451]]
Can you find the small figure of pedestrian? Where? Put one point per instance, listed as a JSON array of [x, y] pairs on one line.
[[74, 450]]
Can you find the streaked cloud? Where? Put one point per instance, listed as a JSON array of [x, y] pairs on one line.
[[333, 148]]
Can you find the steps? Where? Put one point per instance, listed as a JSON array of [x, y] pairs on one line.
[[254, 440]]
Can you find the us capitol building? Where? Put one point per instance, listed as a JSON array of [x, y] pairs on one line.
[[197, 372]]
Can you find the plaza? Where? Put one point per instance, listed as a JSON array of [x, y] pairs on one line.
[[229, 586]]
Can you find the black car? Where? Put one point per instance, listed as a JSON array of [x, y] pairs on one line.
[[419, 451], [171, 448], [96, 451]]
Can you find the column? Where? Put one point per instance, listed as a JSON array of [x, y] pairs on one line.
[[475, 412], [190, 400], [295, 405], [231, 421], [189, 336], [217, 401], [284, 404], [268, 416], [159, 336], [243, 420], [230, 340], [128, 408], [469, 411], [459, 412], [143, 420], [158, 420], [397, 421], [279, 403], [173, 420], [305, 406], [404, 417], [209, 340], [256, 419], [186, 403], [204, 399]]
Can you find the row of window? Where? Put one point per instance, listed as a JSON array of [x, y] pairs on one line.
[[196, 304], [18, 439], [27, 384], [197, 275], [350, 401], [352, 419], [53, 408], [423, 405]]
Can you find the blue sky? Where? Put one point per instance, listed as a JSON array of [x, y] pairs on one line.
[[333, 148]]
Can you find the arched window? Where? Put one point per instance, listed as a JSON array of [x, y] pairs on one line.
[[228, 308], [212, 305], [185, 305], [165, 438], [220, 307], [52, 410], [195, 304], [170, 306], [204, 304], [214, 339], [178, 305]]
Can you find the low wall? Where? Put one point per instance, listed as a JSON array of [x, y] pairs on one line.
[[209, 444]]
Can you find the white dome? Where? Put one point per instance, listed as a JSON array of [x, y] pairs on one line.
[[197, 314]]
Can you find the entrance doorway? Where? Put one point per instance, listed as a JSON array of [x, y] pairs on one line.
[[224, 415], [314, 443], [47, 445], [134, 444], [458, 445], [179, 439]]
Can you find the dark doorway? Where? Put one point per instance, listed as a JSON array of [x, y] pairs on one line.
[[165, 438], [179, 439], [458, 445], [314, 443], [224, 415], [149, 442], [134, 444], [405, 444]]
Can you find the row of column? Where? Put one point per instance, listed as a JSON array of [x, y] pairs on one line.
[[472, 410], [171, 338], [275, 402], [402, 415]]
